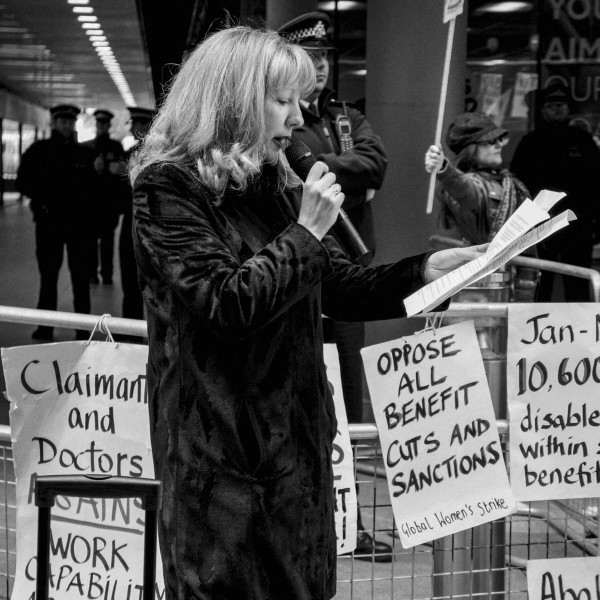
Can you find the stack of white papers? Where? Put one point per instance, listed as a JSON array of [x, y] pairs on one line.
[[515, 236]]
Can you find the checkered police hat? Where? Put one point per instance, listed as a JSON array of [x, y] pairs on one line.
[[308, 30]]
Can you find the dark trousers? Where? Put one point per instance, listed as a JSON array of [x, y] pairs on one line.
[[51, 238], [349, 339], [105, 246], [133, 305]]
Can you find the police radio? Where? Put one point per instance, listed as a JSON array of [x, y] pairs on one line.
[[343, 127]]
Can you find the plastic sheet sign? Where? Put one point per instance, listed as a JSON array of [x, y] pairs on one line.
[[438, 433], [346, 510], [561, 578], [553, 385], [76, 409]]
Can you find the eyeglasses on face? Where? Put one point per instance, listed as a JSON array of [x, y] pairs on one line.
[[501, 140]]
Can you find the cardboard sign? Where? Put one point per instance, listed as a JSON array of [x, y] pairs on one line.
[[553, 388], [452, 8], [346, 507], [79, 408], [561, 578], [438, 433]]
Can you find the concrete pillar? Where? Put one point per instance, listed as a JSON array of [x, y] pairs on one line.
[[406, 44]]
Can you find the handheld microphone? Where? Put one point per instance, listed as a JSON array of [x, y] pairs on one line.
[[301, 160]]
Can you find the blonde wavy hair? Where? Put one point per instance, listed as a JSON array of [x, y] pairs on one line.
[[214, 113]]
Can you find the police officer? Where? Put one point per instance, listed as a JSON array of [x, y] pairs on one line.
[[339, 135], [133, 306], [108, 155], [57, 174]]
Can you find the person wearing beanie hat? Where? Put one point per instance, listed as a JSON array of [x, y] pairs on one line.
[[57, 174], [558, 156], [108, 156], [477, 195], [338, 134]]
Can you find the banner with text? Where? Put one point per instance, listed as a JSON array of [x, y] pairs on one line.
[[346, 507], [562, 578], [570, 53], [438, 433], [553, 390], [79, 408]]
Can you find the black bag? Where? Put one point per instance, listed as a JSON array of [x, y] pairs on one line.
[[47, 487]]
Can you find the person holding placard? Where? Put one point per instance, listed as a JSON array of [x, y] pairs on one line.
[[236, 269], [477, 195]]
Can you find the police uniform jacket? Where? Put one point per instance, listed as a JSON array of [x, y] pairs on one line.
[[57, 175], [108, 185], [356, 170], [241, 416], [561, 158]]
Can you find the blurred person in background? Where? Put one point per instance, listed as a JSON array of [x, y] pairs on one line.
[[58, 175], [477, 194], [108, 156], [140, 120], [558, 156]]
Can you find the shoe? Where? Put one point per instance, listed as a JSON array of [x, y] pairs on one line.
[[43, 333], [94, 279], [368, 549]]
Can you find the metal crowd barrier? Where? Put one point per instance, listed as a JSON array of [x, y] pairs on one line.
[[485, 562]]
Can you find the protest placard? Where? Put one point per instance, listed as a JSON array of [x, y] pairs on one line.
[[452, 8], [79, 408], [553, 389], [346, 507], [562, 578], [438, 433]]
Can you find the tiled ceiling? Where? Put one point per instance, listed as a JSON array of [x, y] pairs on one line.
[[47, 58]]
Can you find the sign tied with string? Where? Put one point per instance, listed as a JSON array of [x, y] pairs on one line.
[[439, 440]]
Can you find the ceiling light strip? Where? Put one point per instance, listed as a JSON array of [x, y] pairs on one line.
[[92, 28]]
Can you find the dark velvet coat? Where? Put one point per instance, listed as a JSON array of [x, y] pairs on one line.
[[241, 417]]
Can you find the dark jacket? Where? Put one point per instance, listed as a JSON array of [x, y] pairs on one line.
[[107, 151], [478, 202], [241, 417], [561, 158], [57, 174], [358, 169]]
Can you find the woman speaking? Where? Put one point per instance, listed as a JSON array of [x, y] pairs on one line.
[[236, 269]]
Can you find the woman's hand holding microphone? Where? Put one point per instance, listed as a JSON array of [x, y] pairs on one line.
[[322, 199]]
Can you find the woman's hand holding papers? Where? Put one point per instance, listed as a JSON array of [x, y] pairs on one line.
[[442, 262]]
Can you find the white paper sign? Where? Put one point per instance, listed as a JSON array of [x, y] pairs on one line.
[[452, 8], [438, 433], [80, 409], [524, 83], [553, 388], [346, 507], [564, 578]]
